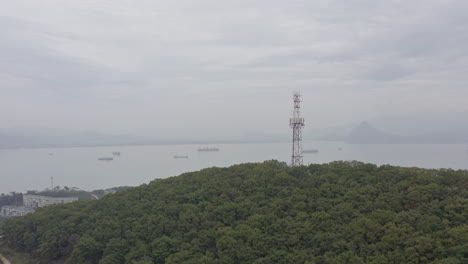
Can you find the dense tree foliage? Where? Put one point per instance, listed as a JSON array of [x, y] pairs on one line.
[[341, 212]]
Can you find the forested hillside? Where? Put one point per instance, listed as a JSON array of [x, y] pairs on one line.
[[341, 212]]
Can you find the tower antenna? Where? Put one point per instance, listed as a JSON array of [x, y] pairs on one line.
[[51, 183], [296, 123]]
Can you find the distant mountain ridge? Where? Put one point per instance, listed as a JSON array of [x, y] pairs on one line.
[[364, 133], [37, 139], [449, 132], [24, 138]]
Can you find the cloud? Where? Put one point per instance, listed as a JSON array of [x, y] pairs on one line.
[[30, 68], [103, 62]]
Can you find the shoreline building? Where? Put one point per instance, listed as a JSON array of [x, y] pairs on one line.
[[12, 211], [38, 201]]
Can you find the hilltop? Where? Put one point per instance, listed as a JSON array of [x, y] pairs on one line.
[[341, 212]]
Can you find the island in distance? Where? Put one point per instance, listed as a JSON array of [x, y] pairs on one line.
[[365, 133], [450, 132]]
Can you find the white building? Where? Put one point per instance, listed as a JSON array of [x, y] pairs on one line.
[[37, 201], [11, 211]]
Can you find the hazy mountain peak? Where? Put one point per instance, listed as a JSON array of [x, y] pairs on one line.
[[364, 125], [364, 133]]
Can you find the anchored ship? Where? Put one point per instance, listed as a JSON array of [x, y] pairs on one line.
[[208, 149], [106, 158]]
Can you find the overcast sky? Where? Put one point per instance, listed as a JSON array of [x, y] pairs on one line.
[[221, 69]]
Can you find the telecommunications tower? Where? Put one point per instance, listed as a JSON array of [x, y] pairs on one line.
[[296, 123]]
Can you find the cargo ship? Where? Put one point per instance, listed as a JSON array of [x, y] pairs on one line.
[[106, 158], [208, 149], [310, 151]]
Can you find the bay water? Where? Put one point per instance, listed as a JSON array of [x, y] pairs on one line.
[[31, 169]]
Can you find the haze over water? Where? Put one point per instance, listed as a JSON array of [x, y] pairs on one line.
[[31, 169]]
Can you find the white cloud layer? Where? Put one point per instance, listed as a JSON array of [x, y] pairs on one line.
[[220, 69]]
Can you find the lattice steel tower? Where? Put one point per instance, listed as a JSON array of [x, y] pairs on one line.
[[296, 123]]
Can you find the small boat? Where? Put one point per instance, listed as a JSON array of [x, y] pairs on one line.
[[310, 151], [180, 157], [106, 158], [208, 149], [116, 153]]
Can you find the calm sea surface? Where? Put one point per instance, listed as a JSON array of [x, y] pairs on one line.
[[31, 169]]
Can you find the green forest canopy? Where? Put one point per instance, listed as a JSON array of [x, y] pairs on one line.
[[341, 212]]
